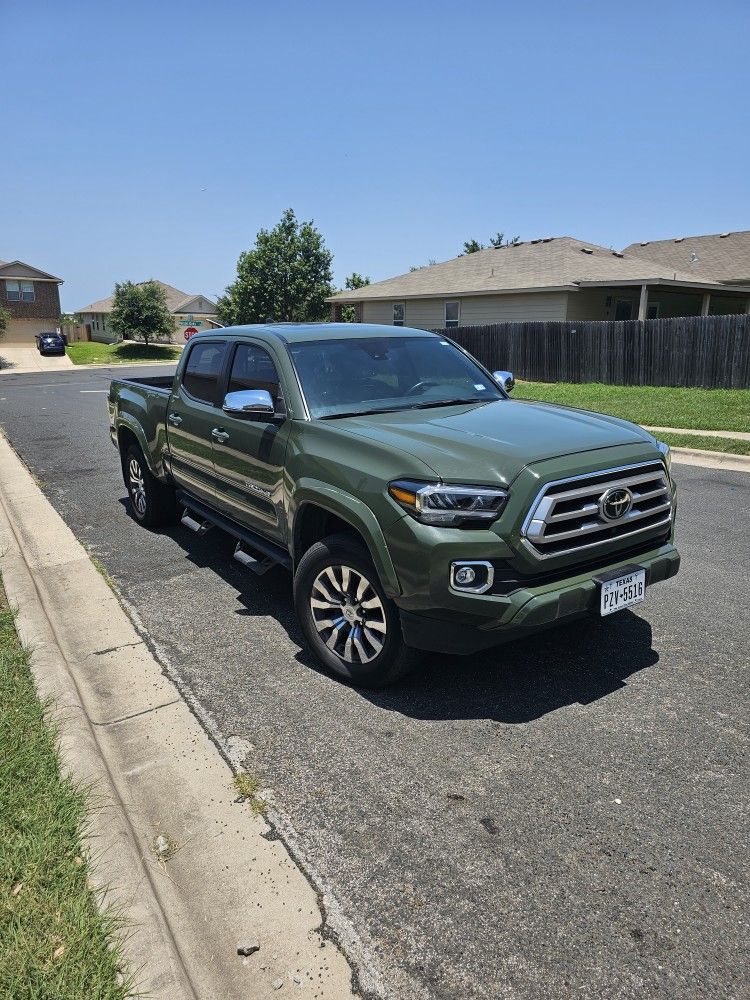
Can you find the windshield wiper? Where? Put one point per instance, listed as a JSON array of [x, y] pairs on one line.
[[448, 402], [359, 413]]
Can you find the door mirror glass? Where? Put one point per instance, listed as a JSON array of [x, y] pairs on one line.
[[249, 403], [505, 380]]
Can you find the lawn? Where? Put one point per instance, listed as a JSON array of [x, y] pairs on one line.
[[53, 939], [729, 445], [700, 409], [90, 353]]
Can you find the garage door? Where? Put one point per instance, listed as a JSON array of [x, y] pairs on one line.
[[23, 331]]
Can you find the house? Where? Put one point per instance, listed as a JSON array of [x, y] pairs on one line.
[[192, 314], [32, 297], [561, 278]]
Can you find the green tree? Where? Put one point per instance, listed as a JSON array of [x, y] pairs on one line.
[[353, 281], [4, 320], [140, 312], [471, 246], [499, 240], [286, 276]]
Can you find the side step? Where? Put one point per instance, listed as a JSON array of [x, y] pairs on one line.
[[199, 527], [199, 517], [258, 566]]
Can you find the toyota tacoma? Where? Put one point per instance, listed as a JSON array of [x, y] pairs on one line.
[[416, 504]]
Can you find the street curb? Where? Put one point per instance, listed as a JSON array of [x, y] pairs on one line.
[[126, 731], [711, 459]]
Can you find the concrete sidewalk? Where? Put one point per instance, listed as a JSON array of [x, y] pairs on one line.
[[194, 869], [734, 435]]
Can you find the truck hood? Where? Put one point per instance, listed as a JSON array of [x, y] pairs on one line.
[[492, 442]]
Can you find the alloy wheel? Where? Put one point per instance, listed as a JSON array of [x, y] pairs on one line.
[[348, 614], [137, 486]]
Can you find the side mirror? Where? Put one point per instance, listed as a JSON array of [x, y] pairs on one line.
[[249, 403], [505, 380]]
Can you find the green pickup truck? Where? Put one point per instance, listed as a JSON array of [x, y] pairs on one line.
[[417, 506]]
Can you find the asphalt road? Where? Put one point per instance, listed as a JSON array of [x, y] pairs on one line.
[[562, 818]]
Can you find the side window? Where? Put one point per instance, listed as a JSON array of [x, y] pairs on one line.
[[202, 371], [398, 313], [27, 291], [253, 368], [12, 291]]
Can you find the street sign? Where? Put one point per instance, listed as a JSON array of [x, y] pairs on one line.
[[189, 331]]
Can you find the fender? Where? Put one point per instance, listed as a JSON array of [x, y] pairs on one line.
[[352, 510], [156, 468]]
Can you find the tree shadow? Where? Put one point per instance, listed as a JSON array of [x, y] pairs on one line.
[[514, 683], [137, 351]]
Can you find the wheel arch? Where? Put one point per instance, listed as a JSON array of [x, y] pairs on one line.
[[322, 512]]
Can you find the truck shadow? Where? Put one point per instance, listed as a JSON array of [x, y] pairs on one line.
[[515, 683]]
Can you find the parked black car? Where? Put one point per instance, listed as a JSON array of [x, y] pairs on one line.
[[50, 343]]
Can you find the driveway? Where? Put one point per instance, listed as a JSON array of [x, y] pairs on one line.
[[21, 359], [564, 817]]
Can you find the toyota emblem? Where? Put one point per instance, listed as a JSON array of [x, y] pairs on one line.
[[615, 503]]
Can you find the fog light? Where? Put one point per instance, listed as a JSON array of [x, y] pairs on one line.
[[465, 575], [474, 576]]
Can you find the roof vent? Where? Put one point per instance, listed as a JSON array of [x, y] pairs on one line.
[[536, 241], [586, 250], [723, 236], [548, 239], [679, 239], [693, 257], [645, 243], [617, 253]]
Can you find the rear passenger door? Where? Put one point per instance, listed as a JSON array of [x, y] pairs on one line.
[[249, 453], [192, 415]]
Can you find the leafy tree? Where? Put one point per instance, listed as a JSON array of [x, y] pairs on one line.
[[285, 276], [140, 312], [498, 240], [471, 246], [354, 280], [4, 320]]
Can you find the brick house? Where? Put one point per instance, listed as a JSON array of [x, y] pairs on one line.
[[32, 297]]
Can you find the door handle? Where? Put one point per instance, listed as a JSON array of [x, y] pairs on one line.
[[219, 435], [174, 419]]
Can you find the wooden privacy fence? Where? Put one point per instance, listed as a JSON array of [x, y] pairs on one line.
[[708, 351]]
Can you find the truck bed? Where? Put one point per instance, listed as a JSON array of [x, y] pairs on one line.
[[161, 382]]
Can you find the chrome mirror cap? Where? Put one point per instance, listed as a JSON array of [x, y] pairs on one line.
[[247, 402], [505, 380]]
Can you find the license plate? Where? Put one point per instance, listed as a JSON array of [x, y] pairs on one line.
[[622, 591]]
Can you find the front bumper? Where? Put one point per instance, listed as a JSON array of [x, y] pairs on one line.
[[524, 611]]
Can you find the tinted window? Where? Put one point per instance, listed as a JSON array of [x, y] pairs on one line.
[[201, 375], [253, 368]]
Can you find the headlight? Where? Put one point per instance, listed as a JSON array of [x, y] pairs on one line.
[[666, 454], [438, 503]]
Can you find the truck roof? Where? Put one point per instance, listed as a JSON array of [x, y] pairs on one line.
[[295, 333]]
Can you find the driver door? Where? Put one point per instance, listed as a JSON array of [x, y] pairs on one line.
[[248, 453]]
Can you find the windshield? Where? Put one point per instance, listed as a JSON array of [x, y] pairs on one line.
[[351, 377]]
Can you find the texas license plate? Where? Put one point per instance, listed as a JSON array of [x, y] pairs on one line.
[[623, 591]]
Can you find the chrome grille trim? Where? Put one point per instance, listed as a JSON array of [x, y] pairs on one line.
[[551, 521]]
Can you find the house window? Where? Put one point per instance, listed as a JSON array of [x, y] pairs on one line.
[[452, 313], [27, 291], [653, 310], [398, 313], [12, 291], [623, 309]]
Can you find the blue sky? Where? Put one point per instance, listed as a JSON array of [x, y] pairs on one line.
[[154, 139]]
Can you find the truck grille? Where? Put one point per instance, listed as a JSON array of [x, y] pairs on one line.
[[577, 514]]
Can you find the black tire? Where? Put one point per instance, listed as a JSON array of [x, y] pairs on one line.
[[152, 503], [350, 647]]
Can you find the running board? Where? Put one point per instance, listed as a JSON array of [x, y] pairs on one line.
[[267, 552], [258, 566], [199, 527]]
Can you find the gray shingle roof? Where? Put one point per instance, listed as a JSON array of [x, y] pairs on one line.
[[722, 257], [175, 298], [562, 262]]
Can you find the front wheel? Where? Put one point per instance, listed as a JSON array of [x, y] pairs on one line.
[[152, 502], [348, 621]]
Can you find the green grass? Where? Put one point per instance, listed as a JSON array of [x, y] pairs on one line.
[[53, 938], [90, 353], [730, 445], [699, 409]]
